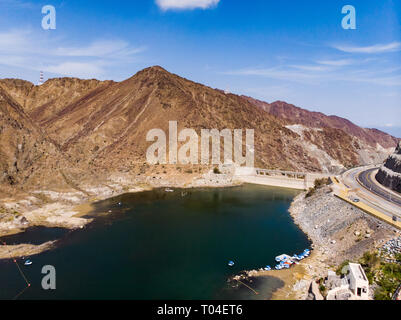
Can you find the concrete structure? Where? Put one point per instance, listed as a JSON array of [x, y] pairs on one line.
[[354, 286], [314, 293], [358, 282], [278, 178], [347, 188]]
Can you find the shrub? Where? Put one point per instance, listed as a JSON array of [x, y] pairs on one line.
[[310, 193], [216, 171], [340, 268], [322, 182]]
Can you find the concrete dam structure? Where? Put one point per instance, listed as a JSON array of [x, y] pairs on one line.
[[278, 178]]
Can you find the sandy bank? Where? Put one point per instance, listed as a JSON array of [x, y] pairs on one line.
[[23, 250], [68, 208]]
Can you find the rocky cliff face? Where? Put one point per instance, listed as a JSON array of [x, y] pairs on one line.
[[75, 129], [389, 174]]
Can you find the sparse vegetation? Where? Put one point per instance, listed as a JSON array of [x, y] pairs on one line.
[[319, 183], [387, 276], [340, 269], [310, 192], [216, 171], [370, 262]]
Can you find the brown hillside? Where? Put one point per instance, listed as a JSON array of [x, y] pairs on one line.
[[86, 128], [296, 115]]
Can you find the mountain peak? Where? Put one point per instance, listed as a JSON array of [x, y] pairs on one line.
[[154, 70]]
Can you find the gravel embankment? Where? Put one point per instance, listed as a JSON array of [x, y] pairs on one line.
[[339, 231]]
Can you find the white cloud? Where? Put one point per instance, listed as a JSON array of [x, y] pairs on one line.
[[328, 71], [377, 48], [279, 73], [14, 40], [100, 49], [336, 63], [27, 50], [186, 4], [76, 69], [310, 68]]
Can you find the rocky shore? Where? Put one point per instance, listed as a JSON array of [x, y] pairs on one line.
[[338, 231], [389, 174]]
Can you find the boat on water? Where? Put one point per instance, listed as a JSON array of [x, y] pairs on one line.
[[283, 257], [169, 190], [286, 261], [231, 263], [268, 268], [28, 262]]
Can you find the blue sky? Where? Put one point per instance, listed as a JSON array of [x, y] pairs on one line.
[[294, 50]]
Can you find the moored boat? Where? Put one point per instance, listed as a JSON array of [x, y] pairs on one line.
[[28, 262]]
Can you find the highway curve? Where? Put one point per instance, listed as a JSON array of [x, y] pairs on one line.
[[365, 180]]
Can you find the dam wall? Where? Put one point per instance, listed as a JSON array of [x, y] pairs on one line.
[[276, 178]]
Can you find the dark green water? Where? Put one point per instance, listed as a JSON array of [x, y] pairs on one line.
[[160, 245]]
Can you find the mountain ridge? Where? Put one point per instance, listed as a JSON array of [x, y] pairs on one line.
[[101, 126]]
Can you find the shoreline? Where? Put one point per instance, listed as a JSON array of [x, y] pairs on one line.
[[338, 232], [69, 208]]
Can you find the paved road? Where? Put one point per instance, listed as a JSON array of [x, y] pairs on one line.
[[367, 191], [366, 180]]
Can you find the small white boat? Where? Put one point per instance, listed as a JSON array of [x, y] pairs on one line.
[[283, 258], [230, 263], [169, 190], [28, 262]]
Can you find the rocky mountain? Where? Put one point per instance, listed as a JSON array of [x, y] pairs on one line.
[[389, 174], [370, 144], [25, 150], [90, 128], [295, 115]]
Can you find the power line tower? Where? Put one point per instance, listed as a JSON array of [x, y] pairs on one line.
[[41, 79]]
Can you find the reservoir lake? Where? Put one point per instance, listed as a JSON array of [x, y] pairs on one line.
[[164, 245]]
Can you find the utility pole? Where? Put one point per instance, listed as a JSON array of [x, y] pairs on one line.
[[41, 79]]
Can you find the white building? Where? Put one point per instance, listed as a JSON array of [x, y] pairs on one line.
[[354, 286], [358, 282]]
